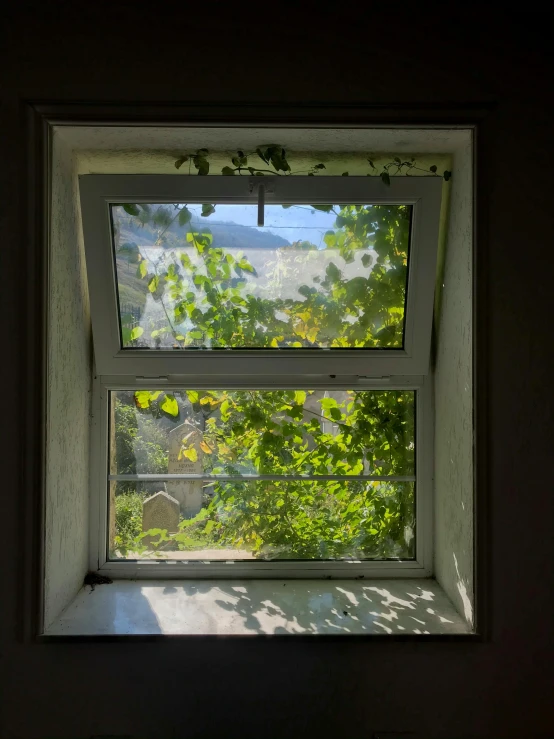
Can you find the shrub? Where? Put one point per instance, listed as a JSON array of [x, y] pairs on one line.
[[128, 520]]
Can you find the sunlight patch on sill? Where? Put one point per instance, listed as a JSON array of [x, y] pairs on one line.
[[265, 607], [462, 589]]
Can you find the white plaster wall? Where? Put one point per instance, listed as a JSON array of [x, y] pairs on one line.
[[144, 161], [153, 150], [453, 399], [68, 395], [155, 139]]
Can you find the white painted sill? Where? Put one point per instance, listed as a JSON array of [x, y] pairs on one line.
[[266, 607]]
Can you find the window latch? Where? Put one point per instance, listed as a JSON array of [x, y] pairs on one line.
[[365, 380], [263, 188], [261, 205]]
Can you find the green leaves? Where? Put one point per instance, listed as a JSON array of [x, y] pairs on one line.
[[335, 414], [162, 217], [170, 406], [306, 291], [179, 162], [129, 335], [185, 260], [184, 216], [212, 298], [131, 209], [245, 265], [191, 454], [300, 397], [356, 289], [202, 165], [282, 431], [143, 398], [405, 167], [328, 403], [240, 160], [296, 412], [207, 209], [276, 156], [386, 335], [200, 162], [224, 410], [333, 273], [209, 304], [200, 239], [131, 251]]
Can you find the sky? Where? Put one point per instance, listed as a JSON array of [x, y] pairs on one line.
[[298, 223]]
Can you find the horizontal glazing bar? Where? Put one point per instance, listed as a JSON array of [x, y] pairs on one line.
[[155, 478]]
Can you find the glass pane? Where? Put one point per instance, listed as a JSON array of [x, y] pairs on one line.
[[261, 520], [226, 434], [207, 277]]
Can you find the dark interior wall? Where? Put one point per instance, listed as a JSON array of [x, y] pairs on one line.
[[131, 53]]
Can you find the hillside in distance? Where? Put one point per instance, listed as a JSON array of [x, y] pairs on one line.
[[133, 290], [226, 235]]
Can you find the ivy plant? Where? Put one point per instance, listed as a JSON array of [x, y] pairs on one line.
[[206, 299]]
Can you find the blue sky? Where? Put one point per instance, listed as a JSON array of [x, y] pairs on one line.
[[298, 223]]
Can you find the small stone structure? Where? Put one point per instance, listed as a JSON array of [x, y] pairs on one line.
[[160, 511], [187, 492]]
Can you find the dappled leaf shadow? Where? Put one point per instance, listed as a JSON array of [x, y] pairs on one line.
[[329, 607]]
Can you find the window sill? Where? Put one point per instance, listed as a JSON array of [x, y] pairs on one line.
[[262, 607]]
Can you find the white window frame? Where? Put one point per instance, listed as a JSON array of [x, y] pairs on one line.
[[382, 369], [98, 192], [420, 566]]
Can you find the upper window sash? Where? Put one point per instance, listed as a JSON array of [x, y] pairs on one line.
[[100, 192]]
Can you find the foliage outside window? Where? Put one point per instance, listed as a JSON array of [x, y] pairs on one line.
[[343, 435], [293, 471], [235, 285]]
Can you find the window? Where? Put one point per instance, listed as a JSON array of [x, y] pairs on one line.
[[262, 399], [297, 282]]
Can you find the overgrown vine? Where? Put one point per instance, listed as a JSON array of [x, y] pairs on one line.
[[210, 298], [274, 157]]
